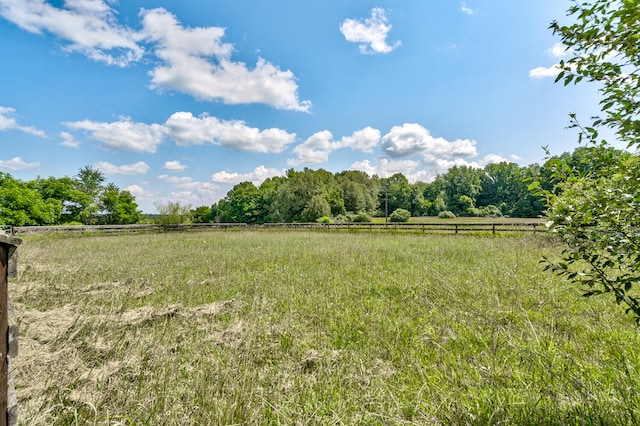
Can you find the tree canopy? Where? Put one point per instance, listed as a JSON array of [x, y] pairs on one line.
[[54, 201]]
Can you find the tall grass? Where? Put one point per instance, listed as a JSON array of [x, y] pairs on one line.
[[259, 328]]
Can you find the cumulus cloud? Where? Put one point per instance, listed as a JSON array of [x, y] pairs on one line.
[[7, 122], [137, 191], [362, 140], [411, 138], [190, 191], [257, 176], [17, 163], [370, 33], [89, 26], [123, 134], [174, 166], [186, 129], [198, 63], [127, 169], [543, 72], [68, 140], [492, 159], [558, 50], [314, 150], [194, 61], [317, 148], [385, 168]]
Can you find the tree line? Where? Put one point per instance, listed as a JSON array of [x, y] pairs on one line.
[[501, 189], [83, 199]]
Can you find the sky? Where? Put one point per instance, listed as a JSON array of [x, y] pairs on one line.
[[179, 100]]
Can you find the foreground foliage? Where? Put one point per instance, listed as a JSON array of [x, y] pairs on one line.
[[595, 208], [263, 327]]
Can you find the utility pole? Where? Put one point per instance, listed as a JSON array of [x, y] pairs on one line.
[[386, 203]]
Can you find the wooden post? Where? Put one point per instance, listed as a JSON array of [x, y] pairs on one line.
[[4, 326], [7, 248]]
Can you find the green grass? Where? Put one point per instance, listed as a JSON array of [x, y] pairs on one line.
[[262, 327]]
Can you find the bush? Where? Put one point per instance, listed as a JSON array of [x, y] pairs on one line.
[[400, 215], [343, 218], [362, 217], [446, 214], [324, 219], [173, 213]]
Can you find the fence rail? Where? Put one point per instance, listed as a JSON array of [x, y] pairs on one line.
[[415, 227]]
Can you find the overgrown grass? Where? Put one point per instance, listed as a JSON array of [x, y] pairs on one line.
[[251, 327]]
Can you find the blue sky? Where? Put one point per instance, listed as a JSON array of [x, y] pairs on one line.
[[180, 100]]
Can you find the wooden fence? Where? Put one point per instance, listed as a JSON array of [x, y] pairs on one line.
[[413, 227]]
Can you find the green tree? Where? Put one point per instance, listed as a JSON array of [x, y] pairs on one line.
[[316, 208], [90, 182], [395, 193], [203, 214], [241, 205], [21, 204], [118, 207], [596, 211], [461, 181], [506, 185], [66, 191]]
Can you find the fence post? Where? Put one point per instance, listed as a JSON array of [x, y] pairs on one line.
[[8, 246]]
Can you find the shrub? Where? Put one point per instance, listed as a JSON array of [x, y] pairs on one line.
[[400, 215], [446, 214], [173, 213], [361, 217], [324, 219], [344, 218]]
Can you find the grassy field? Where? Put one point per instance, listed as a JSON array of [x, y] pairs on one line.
[[314, 328]]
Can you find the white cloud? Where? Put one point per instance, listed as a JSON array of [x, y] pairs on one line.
[[558, 50], [7, 122], [190, 191], [411, 138], [137, 191], [89, 26], [317, 148], [68, 140], [314, 150], [176, 180], [123, 134], [257, 176], [198, 63], [543, 72], [186, 129], [128, 169], [466, 9], [174, 166], [385, 168], [362, 140], [370, 33], [17, 163], [492, 159]]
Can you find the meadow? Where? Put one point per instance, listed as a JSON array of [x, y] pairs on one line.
[[258, 327]]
